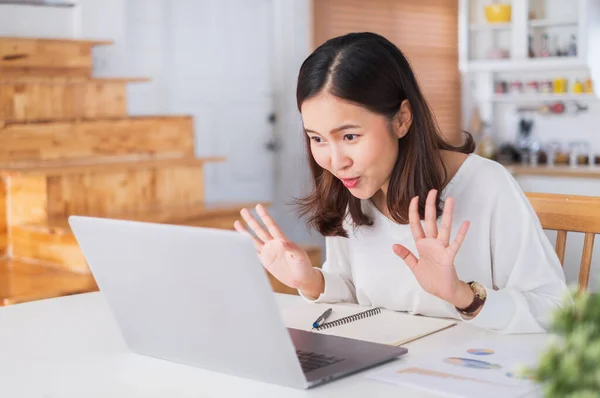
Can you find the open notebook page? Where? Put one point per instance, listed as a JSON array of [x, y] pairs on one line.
[[387, 327]]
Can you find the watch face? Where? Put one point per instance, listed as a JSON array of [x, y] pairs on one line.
[[479, 290]]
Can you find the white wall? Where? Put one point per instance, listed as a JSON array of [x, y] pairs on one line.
[[138, 30], [293, 30], [32, 21]]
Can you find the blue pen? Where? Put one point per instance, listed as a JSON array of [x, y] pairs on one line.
[[322, 318]]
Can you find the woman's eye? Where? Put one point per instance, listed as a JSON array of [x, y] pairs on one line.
[[350, 137], [316, 139]]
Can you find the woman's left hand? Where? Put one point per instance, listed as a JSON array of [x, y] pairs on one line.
[[434, 269]]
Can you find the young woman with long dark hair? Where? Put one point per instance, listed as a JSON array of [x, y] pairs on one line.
[[395, 200]]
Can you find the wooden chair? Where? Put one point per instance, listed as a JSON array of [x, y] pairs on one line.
[[570, 213]]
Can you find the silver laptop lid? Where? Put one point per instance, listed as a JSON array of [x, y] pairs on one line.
[[191, 295]]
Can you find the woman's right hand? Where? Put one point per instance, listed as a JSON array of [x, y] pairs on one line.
[[285, 260]]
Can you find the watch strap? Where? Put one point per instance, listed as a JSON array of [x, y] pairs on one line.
[[475, 304]]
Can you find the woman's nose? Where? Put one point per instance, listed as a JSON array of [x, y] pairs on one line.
[[339, 159]]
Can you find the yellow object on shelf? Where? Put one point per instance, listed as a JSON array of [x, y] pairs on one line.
[[588, 86], [560, 85], [498, 13], [577, 87]]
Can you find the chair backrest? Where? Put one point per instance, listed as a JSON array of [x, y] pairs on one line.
[[570, 213]]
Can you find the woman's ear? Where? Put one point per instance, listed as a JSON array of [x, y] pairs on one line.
[[403, 119]]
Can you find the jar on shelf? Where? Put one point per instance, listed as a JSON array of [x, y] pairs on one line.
[[562, 158], [560, 85], [516, 87], [546, 87], [500, 87], [578, 153], [587, 86], [532, 87], [553, 150], [535, 150]]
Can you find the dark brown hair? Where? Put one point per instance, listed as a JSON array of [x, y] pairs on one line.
[[368, 70]]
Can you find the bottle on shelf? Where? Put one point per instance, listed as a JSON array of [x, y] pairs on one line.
[[485, 146], [553, 150], [545, 52], [524, 139], [560, 85], [587, 87], [557, 50], [531, 53], [572, 50], [577, 87]]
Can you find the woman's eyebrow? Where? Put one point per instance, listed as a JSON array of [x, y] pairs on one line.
[[337, 129]]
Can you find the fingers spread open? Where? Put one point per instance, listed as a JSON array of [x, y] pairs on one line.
[[446, 224], [460, 237], [415, 220], [255, 226], [240, 228], [405, 255], [431, 215], [266, 218]]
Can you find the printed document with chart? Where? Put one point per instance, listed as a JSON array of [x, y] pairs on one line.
[[483, 368]]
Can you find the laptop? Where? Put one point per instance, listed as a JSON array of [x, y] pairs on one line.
[[200, 297]]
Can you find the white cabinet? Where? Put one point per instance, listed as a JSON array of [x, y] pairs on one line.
[[560, 20], [547, 53], [560, 185]]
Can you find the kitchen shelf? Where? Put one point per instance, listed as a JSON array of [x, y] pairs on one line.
[[39, 3], [547, 23], [536, 97], [532, 64], [582, 171], [489, 27]]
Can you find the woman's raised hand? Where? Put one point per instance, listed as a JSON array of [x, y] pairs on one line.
[[285, 260], [434, 269]]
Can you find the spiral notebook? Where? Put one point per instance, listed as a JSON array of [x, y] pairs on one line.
[[377, 325]]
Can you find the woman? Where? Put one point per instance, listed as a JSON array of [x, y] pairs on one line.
[[380, 165]]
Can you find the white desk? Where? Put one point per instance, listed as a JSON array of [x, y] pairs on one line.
[[71, 347]]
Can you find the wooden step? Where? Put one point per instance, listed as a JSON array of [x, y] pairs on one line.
[[21, 282], [102, 165], [57, 245], [211, 215], [144, 135], [35, 100], [36, 195], [54, 242], [21, 56], [56, 80]]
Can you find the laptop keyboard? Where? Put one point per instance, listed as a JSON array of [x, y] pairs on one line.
[[312, 360]]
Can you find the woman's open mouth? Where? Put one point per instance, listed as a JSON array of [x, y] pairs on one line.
[[350, 182]]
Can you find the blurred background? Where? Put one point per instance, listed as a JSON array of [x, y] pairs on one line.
[[184, 111]]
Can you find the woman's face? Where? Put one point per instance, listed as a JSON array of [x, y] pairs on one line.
[[351, 142]]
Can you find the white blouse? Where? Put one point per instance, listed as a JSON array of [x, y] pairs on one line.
[[505, 250]]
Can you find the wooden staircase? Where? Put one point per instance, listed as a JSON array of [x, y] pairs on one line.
[[68, 146]]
